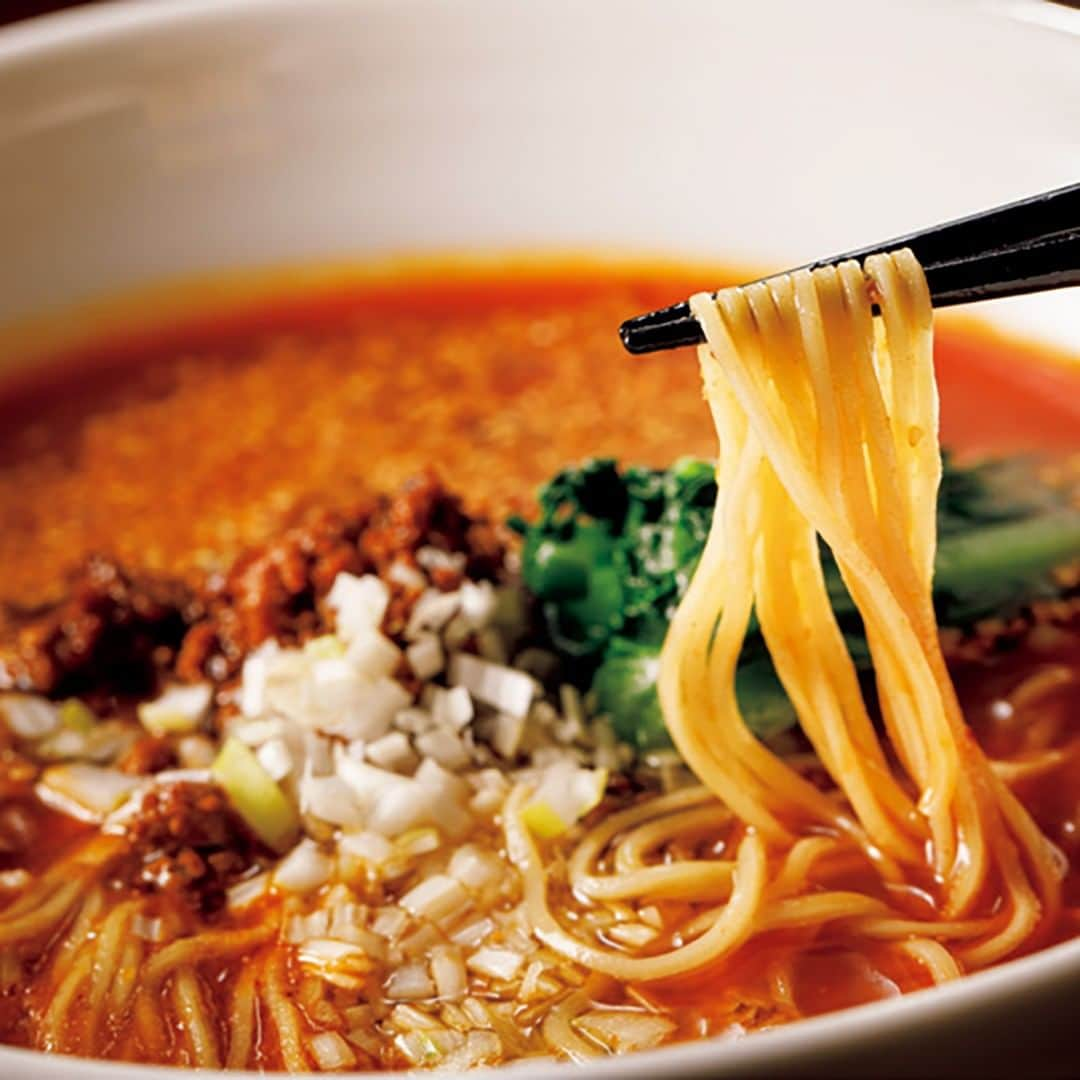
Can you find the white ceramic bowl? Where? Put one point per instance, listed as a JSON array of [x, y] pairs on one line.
[[146, 142]]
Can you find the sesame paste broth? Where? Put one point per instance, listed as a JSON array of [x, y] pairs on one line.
[[175, 455]]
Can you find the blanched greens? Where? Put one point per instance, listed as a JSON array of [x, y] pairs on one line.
[[613, 550]]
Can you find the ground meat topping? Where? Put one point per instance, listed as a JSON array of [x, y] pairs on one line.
[[110, 638], [277, 591], [118, 636], [187, 840], [272, 592]]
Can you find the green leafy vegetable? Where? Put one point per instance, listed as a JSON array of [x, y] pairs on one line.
[[612, 551]]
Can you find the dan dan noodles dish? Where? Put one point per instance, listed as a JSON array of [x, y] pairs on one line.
[[451, 778]]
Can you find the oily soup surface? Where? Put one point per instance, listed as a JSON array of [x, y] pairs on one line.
[[176, 452]]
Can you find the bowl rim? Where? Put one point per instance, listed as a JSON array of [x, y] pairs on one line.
[[35, 39]]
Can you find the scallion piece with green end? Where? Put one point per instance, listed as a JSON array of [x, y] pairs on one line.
[[255, 796]]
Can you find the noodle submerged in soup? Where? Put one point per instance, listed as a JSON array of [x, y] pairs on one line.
[[339, 780]]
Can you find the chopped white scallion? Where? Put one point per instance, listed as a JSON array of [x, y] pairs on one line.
[[181, 776], [29, 716], [507, 733], [243, 893], [63, 744], [369, 847], [253, 679], [179, 709], [433, 558], [195, 751], [286, 687], [393, 752], [565, 794], [478, 602], [331, 1052], [338, 962], [435, 898], [496, 685], [87, 792], [410, 982], [359, 603], [346, 918], [425, 656], [333, 681], [366, 711], [326, 647], [359, 1014], [420, 1048], [410, 1018], [453, 707], [306, 927], [368, 782], [414, 721], [318, 754], [418, 944], [490, 780], [331, 799], [403, 574], [448, 971], [276, 758], [487, 801], [530, 981], [256, 732], [304, 869], [545, 757], [403, 808], [480, 1048], [373, 654], [473, 933], [445, 747], [431, 613], [572, 706], [436, 797], [418, 842], [474, 867], [477, 1012], [518, 941], [499, 964], [444, 785], [621, 1030], [390, 922]]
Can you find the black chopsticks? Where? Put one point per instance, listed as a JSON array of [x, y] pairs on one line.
[[1028, 246]]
